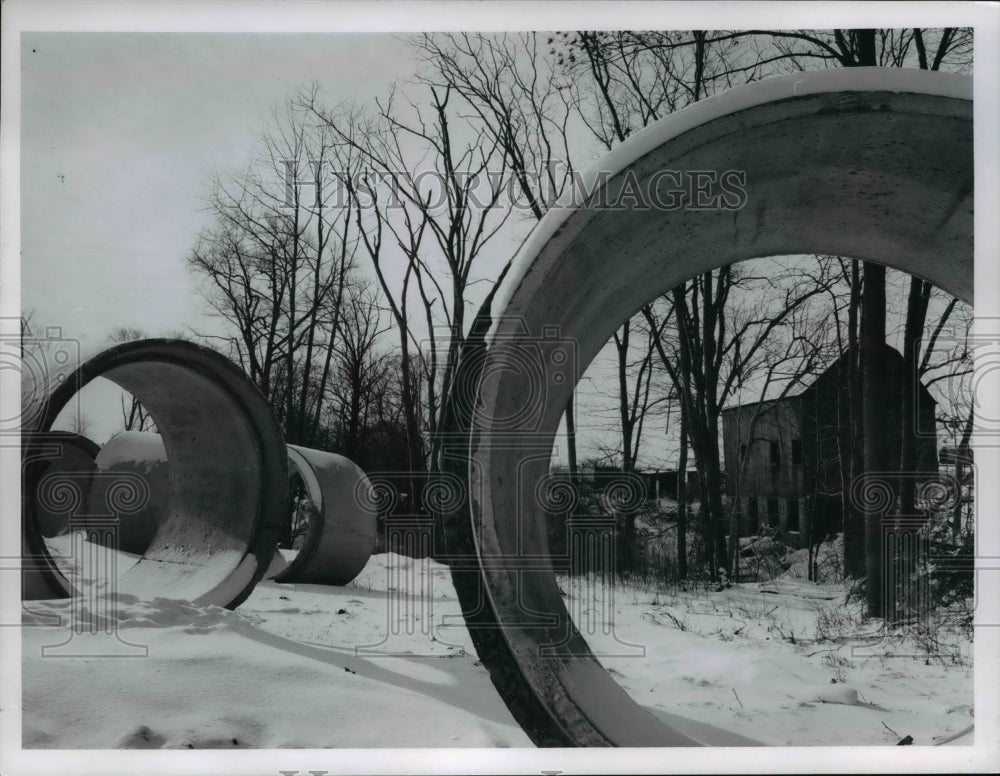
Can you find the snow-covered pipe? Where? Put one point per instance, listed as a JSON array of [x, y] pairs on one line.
[[340, 536], [227, 484], [874, 164]]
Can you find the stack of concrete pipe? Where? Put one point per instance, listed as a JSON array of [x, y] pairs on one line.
[[339, 536], [202, 502]]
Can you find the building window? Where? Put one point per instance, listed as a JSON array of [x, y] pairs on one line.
[[753, 514], [775, 456], [772, 512], [796, 452], [792, 523]]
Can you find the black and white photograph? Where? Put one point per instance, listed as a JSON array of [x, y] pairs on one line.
[[525, 387]]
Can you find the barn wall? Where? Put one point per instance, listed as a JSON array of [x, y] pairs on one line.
[[759, 426]]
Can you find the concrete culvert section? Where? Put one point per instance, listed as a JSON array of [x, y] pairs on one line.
[[333, 526], [226, 487], [866, 163]]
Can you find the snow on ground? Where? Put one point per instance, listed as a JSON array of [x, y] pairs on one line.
[[387, 662], [281, 671], [786, 663]]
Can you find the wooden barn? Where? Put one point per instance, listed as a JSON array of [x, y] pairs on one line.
[[783, 457]]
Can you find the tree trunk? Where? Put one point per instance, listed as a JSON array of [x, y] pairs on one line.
[[712, 312], [873, 410], [852, 439], [682, 565], [873, 407], [916, 314], [713, 478], [626, 558], [963, 456], [571, 441], [702, 415], [414, 452]]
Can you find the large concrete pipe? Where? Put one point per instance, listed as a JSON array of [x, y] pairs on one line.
[[74, 455], [339, 537], [867, 163], [226, 491]]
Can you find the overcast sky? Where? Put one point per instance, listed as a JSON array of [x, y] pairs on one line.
[[119, 132]]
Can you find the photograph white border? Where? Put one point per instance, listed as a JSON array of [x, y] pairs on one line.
[[276, 17]]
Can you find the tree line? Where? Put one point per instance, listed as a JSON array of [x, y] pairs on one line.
[[345, 261]]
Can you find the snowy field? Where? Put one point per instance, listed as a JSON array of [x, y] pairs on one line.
[[387, 662]]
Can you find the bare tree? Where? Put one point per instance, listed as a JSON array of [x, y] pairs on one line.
[[763, 338], [519, 100], [635, 377], [362, 370], [868, 47], [274, 267], [624, 81], [433, 193], [915, 366], [635, 77]]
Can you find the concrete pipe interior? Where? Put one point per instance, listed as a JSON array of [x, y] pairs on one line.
[[74, 455], [868, 163], [138, 453], [339, 536], [226, 489]]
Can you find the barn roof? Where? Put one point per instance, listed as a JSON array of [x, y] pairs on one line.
[[889, 353]]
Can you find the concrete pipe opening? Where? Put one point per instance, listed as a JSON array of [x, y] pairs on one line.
[[333, 526], [871, 164], [226, 488]]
